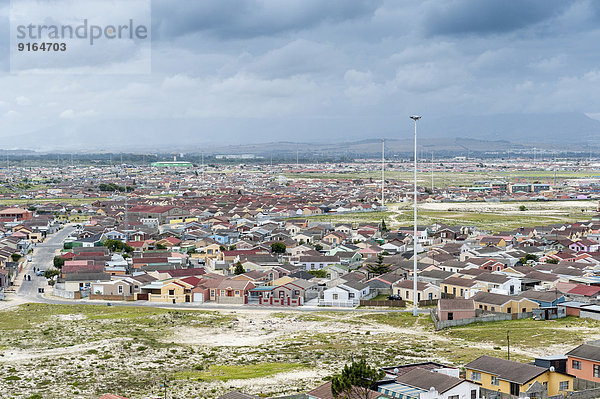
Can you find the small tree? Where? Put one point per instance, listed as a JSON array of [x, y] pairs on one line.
[[51, 273], [522, 208], [383, 226], [378, 268], [278, 248], [320, 273], [355, 381], [239, 269], [15, 257], [58, 262], [318, 247], [552, 260]]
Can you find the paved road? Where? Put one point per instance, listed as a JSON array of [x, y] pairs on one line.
[[42, 258]]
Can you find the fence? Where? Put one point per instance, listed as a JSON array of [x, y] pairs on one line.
[[482, 317], [384, 302], [112, 297]]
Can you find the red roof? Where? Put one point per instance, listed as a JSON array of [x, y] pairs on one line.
[[585, 290]]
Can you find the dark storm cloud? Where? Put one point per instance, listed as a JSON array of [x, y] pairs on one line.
[[484, 17], [251, 18]]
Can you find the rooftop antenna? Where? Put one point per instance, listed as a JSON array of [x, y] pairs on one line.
[[382, 172]]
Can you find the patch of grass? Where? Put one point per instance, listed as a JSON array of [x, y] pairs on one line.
[[527, 333], [239, 372]]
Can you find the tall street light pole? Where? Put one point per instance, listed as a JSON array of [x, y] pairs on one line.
[[415, 118]]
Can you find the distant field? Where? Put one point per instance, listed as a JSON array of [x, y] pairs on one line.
[[74, 201], [486, 215], [443, 179]]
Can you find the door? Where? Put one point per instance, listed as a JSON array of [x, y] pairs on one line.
[[198, 297], [514, 389]]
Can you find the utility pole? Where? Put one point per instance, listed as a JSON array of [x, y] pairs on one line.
[[431, 172], [508, 342], [415, 238], [296, 159], [382, 173]]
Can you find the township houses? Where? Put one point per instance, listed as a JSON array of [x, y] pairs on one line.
[[513, 378], [584, 361], [425, 291], [503, 303]]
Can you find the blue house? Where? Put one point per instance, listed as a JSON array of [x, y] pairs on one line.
[[545, 299]]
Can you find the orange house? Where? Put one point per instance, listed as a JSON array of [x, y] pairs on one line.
[[584, 361]]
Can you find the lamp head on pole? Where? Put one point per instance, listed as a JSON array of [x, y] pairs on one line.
[[415, 117]]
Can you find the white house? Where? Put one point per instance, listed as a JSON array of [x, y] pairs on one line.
[[347, 294], [430, 384]]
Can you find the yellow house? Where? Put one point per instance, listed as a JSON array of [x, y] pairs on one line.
[[175, 291], [503, 303], [513, 378], [461, 287], [281, 281]]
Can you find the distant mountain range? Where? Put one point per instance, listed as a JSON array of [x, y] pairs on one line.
[[361, 135]]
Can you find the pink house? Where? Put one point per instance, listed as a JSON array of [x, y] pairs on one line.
[[455, 309]]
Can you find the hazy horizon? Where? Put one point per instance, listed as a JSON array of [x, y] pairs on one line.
[[253, 71]]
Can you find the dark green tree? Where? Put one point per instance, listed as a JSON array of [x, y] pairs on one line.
[[383, 226], [51, 273], [278, 248], [15, 257], [355, 381], [239, 269], [58, 262], [552, 260], [378, 268]]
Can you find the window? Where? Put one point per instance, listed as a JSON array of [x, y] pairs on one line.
[[576, 364], [171, 292], [454, 291], [524, 310], [563, 386], [473, 393], [495, 380], [406, 294], [508, 310], [237, 293], [450, 316], [351, 295], [120, 289], [453, 397], [461, 292], [335, 297], [493, 308], [475, 376], [596, 370]]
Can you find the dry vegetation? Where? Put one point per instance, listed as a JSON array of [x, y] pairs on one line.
[[58, 351]]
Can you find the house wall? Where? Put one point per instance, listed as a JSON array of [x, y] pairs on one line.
[[587, 369], [589, 315], [462, 390], [456, 314], [553, 380]]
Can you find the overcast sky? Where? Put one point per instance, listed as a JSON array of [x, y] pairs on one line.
[[314, 70]]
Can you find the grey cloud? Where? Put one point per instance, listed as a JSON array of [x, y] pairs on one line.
[[484, 17], [237, 19]]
